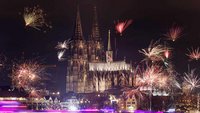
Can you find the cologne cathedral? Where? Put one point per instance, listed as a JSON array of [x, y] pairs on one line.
[[90, 67]]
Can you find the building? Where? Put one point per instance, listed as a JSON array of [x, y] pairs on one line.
[[11, 94], [186, 103], [127, 104], [89, 68]]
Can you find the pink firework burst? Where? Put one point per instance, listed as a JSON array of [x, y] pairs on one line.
[[121, 26], [174, 33], [194, 54]]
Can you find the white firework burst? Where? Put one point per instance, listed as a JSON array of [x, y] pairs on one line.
[[60, 55], [63, 45], [191, 81], [155, 52]]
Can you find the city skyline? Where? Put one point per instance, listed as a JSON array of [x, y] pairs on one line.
[[150, 22]]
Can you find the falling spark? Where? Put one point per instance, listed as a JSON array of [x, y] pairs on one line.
[[63, 45], [194, 54], [191, 81], [155, 52], [172, 79], [34, 17], [102, 84], [174, 33], [27, 75], [60, 55], [121, 26]]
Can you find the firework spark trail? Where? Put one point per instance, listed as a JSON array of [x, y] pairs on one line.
[[194, 54], [191, 81], [63, 45], [101, 81], [174, 33], [167, 53], [155, 52], [121, 26], [27, 75], [60, 55], [134, 93], [177, 84], [172, 79], [168, 82], [102, 84], [34, 93], [34, 17]]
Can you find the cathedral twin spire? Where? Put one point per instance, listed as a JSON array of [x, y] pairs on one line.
[[78, 26], [95, 35], [95, 26]]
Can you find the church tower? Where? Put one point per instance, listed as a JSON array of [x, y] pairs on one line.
[[109, 52], [95, 44], [77, 63]]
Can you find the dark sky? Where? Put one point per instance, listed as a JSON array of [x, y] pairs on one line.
[[151, 19]]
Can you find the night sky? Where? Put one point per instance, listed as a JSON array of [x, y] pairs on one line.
[[151, 19]]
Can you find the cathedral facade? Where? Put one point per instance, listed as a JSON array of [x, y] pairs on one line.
[[81, 53], [86, 72]]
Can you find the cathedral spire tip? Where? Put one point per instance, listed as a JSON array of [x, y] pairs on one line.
[[78, 26]]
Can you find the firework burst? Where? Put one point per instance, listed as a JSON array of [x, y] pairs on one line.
[[174, 33], [150, 76], [156, 77], [27, 75], [194, 54], [34, 17], [155, 52], [133, 92], [63, 45], [191, 81], [121, 26], [60, 55], [172, 80]]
